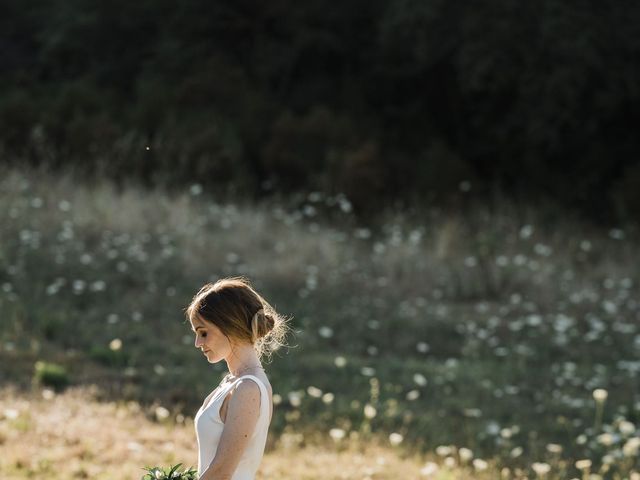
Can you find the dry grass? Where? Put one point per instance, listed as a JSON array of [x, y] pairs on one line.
[[72, 435]]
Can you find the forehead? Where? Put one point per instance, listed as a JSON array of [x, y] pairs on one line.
[[197, 322]]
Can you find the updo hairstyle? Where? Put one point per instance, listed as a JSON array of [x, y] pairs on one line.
[[232, 305]]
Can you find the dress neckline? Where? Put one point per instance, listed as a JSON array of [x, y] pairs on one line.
[[233, 379]]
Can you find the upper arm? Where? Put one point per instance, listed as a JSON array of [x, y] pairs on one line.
[[242, 416]]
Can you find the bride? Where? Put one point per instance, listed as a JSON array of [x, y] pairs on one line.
[[232, 322]]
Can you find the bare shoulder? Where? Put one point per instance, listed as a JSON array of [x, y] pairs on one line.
[[265, 380], [249, 386], [246, 387], [245, 396]]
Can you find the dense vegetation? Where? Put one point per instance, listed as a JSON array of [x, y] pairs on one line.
[[376, 99], [511, 333]]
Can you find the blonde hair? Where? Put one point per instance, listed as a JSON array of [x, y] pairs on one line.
[[240, 312]]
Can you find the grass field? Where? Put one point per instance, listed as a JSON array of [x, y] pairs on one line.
[[475, 337], [72, 435]]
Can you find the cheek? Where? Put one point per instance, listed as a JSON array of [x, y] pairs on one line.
[[216, 337], [216, 341], [222, 342]]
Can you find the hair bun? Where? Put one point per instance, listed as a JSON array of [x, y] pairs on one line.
[[262, 323], [269, 322]]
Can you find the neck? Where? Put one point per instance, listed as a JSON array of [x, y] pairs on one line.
[[241, 358]]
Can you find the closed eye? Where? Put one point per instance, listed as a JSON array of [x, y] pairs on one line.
[[200, 331]]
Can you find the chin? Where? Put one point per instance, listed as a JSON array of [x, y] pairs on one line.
[[212, 359]]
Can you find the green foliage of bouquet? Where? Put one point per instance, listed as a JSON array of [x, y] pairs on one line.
[[172, 473]]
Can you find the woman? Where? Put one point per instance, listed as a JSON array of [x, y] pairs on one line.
[[232, 322]]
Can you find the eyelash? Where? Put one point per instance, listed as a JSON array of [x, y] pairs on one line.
[[204, 334]]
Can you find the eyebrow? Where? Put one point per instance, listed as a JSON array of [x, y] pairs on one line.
[[196, 329]]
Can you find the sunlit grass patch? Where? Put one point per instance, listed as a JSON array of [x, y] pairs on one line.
[[71, 435]]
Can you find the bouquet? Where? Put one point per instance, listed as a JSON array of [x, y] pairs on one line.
[[172, 473]]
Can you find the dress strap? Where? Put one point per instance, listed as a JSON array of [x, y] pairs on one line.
[[258, 381]]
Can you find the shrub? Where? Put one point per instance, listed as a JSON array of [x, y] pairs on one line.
[[108, 357], [51, 375]]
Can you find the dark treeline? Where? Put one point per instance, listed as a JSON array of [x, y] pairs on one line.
[[379, 99]]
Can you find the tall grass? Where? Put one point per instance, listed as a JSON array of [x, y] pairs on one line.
[[486, 330]]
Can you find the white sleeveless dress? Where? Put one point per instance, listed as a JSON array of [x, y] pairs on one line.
[[209, 426]]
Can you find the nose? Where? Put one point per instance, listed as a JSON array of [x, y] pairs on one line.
[[198, 341]]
